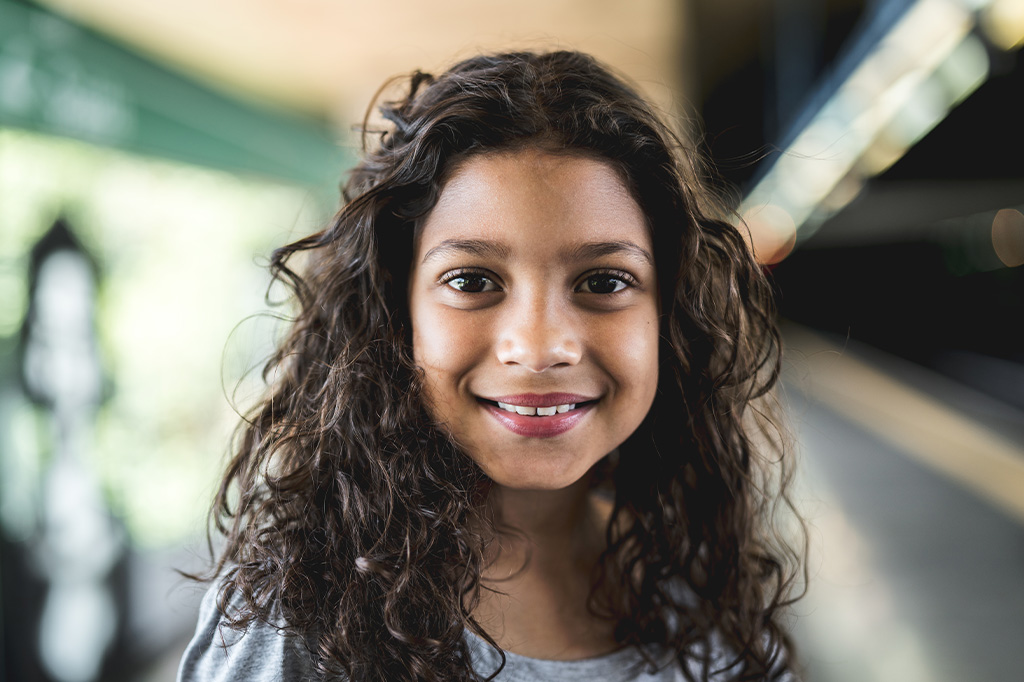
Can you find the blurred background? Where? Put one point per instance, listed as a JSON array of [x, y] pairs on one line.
[[153, 154]]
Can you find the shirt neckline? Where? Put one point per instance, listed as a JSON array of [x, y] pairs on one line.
[[570, 669]]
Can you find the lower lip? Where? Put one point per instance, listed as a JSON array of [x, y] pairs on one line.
[[538, 427]]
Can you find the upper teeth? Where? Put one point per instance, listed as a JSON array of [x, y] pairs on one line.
[[537, 411]]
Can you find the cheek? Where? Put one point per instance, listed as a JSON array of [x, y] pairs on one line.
[[637, 354], [436, 344], [445, 353]]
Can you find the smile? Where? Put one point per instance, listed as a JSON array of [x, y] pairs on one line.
[[539, 416], [538, 411]]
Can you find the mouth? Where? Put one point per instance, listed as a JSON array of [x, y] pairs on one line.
[[539, 416], [537, 410]]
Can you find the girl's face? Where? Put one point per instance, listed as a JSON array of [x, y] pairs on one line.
[[534, 309]]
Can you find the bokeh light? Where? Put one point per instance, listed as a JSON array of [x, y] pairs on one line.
[[772, 233], [180, 252], [1008, 237]]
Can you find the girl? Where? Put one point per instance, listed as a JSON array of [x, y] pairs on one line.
[[513, 432]]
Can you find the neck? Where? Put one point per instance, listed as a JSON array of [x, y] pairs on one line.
[[550, 524], [537, 580]]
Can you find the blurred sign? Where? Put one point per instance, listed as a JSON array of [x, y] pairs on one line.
[[61, 79]]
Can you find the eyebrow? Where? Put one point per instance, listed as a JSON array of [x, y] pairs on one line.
[[484, 248], [599, 249], [473, 247]]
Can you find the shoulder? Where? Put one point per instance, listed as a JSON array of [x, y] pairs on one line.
[[261, 653]]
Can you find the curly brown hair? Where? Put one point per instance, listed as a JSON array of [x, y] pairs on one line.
[[350, 512]]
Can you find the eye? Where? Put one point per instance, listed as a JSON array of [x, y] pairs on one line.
[[604, 283], [470, 282]]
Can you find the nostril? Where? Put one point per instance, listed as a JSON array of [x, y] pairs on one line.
[[539, 345]]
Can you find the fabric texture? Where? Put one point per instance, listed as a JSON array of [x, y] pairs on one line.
[[260, 654], [264, 653]]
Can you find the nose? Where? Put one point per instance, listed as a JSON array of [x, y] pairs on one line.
[[538, 335]]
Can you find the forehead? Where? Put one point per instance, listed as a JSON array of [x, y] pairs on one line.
[[534, 169], [555, 195]]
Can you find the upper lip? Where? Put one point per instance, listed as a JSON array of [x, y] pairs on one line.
[[541, 399]]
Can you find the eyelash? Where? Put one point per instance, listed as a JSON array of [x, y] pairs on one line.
[[450, 277], [619, 275]]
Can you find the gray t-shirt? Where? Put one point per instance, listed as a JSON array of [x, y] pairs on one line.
[[265, 654]]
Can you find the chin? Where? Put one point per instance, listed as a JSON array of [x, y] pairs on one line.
[[530, 485], [536, 478]]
